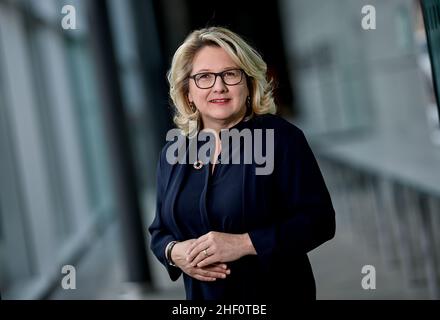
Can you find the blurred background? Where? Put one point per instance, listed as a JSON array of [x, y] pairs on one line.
[[84, 113]]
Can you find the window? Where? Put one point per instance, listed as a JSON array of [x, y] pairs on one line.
[[428, 39]]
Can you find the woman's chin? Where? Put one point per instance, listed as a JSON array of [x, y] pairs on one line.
[[221, 115]]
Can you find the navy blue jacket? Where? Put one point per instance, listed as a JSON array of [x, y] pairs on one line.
[[287, 214]]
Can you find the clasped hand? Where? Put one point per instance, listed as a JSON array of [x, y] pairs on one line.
[[204, 258]]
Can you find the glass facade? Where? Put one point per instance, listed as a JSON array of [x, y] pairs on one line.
[[55, 185]]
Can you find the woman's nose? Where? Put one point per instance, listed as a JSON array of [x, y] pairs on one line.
[[219, 85]]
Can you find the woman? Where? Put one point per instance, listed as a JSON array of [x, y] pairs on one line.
[[235, 234]]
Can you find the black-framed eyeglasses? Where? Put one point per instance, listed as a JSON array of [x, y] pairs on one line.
[[206, 80]]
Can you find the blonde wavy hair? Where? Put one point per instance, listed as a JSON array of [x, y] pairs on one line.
[[247, 58]]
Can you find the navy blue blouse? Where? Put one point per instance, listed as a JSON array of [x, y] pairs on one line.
[[218, 195]]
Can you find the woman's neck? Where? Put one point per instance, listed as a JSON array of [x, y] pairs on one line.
[[217, 126]]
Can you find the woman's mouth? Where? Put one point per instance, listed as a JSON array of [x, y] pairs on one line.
[[219, 101]]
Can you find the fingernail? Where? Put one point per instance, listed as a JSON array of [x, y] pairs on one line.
[[228, 271], [223, 276]]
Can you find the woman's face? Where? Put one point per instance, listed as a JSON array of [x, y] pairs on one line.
[[222, 105]]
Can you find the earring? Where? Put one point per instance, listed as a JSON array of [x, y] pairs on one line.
[[192, 106], [248, 101]]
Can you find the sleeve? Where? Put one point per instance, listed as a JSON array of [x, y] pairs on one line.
[[160, 235], [305, 217]]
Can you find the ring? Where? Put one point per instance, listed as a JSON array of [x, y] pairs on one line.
[[205, 252]]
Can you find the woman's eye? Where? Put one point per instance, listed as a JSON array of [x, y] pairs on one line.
[[204, 76]]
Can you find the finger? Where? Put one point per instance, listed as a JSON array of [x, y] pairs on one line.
[[198, 259], [202, 278], [210, 274], [202, 274], [193, 245], [197, 251], [201, 257], [206, 262], [218, 269], [226, 272], [197, 242], [223, 266], [201, 245]]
